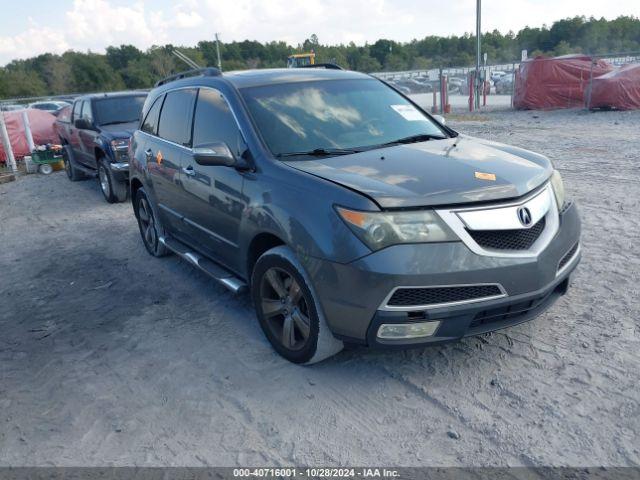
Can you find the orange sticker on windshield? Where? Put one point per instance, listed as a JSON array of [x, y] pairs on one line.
[[485, 176], [159, 157]]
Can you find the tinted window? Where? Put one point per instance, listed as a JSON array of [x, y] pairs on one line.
[[45, 106], [150, 124], [76, 110], [86, 111], [175, 118], [114, 110], [297, 117], [213, 120]]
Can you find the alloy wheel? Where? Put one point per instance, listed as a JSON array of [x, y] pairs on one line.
[[147, 224], [104, 181], [285, 308]]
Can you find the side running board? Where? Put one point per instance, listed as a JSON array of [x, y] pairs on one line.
[[217, 272]]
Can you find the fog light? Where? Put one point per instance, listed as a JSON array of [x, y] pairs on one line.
[[398, 331]]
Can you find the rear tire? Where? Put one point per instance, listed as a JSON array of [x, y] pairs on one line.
[[288, 309], [71, 170], [150, 227], [113, 190]]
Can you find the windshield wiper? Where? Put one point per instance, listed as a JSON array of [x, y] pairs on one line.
[[319, 152], [421, 137], [116, 122]]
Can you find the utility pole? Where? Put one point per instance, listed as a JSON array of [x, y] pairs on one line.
[[478, 35], [218, 52]]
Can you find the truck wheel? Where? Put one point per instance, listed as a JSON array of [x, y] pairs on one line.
[[113, 190], [150, 227], [288, 310], [72, 172]]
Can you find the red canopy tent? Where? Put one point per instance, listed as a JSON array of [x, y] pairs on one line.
[[618, 89], [41, 123], [559, 82]]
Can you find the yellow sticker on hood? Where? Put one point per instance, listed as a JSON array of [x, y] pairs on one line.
[[485, 176]]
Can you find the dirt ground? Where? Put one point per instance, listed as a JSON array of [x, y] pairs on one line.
[[111, 357]]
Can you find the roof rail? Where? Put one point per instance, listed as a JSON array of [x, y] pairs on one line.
[[328, 66], [205, 72]]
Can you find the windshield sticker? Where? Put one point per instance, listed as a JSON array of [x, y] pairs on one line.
[[409, 112]]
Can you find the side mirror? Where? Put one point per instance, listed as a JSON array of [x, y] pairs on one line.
[[440, 119], [82, 124], [214, 154]]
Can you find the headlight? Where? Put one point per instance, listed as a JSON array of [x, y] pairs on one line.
[[381, 229], [558, 188], [121, 144]]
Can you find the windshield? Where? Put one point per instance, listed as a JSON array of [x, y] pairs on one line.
[[110, 111], [334, 114]]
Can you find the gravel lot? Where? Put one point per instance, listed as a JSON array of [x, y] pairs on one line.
[[111, 357]]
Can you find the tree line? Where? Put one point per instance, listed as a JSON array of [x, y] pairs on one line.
[[127, 67]]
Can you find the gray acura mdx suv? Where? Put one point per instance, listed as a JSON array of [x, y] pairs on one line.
[[350, 213]]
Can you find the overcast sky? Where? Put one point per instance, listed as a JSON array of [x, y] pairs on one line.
[[31, 27]]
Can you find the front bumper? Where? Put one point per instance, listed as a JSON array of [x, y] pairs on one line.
[[474, 319], [352, 295], [120, 166], [120, 170]]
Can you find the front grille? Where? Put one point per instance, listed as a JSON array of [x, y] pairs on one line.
[[520, 239], [568, 256], [405, 297]]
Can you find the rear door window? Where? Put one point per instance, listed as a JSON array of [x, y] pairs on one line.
[[176, 116]]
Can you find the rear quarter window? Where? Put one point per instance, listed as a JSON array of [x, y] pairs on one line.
[[150, 123]]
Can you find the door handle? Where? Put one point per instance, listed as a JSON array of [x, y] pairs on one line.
[[189, 170], [148, 153]]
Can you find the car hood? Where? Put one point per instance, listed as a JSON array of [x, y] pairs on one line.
[[436, 172], [120, 130]]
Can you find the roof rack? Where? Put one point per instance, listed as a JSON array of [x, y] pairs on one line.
[[328, 66], [205, 72]]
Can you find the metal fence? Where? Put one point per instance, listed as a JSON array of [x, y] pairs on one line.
[[25, 101], [453, 89], [450, 89]]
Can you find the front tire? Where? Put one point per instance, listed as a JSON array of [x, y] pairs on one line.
[[150, 227], [288, 310], [113, 190]]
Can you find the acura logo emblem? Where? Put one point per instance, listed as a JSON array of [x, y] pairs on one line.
[[524, 215]]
